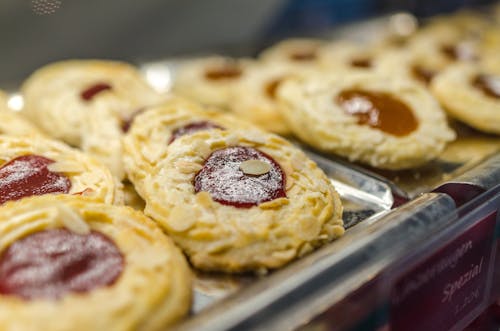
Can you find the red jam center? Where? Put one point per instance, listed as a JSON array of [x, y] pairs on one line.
[[89, 93], [28, 175], [225, 72], [489, 84], [192, 128], [222, 177], [378, 110], [52, 263]]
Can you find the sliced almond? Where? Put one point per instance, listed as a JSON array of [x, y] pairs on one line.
[[255, 167], [72, 220], [65, 167]]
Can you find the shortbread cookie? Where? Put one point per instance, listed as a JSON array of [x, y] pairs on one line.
[[152, 131], [453, 38], [67, 263], [60, 97], [209, 80], [298, 51], [342, 55], [241, 200], [254, 97], [416, 65], [471, 94], [12, 123], [35, 166], [386, 122]]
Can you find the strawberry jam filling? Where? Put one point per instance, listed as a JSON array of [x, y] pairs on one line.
[[192, 128], [52, 263], [28, 175], [227, 184], [89, 93]]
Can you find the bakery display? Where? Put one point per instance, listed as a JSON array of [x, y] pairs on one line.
[[30, 166], [222, 166], [241, 200], [471, 93], [68, 263], [60, 98], [379, 120]]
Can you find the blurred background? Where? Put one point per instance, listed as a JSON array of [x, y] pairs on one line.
[[36, 32]]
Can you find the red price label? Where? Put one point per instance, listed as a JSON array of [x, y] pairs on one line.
[[441, 291]]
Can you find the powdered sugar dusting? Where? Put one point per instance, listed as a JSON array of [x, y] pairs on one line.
[[222, 177], [28, 175]]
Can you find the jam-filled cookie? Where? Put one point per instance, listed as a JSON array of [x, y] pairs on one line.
[[451, 38], [241, 200], [36, 166], [152, 132], [471, 94], [60, 97], [298, 51], [416, 65], [386, 122], [67, 263], [12, 123], [254, 97], [209, 80], [344, 55]]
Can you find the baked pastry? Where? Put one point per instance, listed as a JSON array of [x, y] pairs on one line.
[[67, 263], [241, 200], [345, 55], [297, 51], [417, 65], [152, 131], [254, 97], [471, 94], [451, 38], [384, 121], [60, 97], [12, 123], [38, 166], [209, 80]]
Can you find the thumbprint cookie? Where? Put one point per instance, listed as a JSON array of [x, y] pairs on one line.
[[152, 132], [254, 97], [12, 123], [60, 97], [342, 55], [386, 122], [41, 166], [209, 80], [298, 51], [471, 94], [68, 263], [241, 200]]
